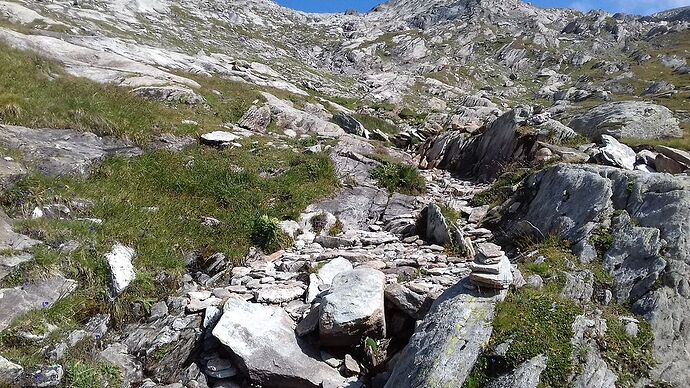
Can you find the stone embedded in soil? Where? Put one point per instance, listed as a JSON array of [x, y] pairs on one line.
[[17, 301], [122, 273]]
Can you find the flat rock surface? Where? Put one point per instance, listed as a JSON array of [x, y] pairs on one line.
[[59, 152], [9, 240], [17, 301]]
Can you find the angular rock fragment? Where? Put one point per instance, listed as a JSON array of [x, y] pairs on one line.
[[353, 308], [265, 347], [122, 273]]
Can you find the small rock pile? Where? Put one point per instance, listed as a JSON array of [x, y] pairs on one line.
[[491, 267]]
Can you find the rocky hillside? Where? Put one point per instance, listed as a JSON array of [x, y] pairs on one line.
[[469, 193]]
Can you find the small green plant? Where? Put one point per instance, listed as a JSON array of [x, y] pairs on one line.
[[502, 188], [80, 374], [10, 108], [410, 115], [336, 229], [319, 222], [399, 177], [266, 234], [602, 240], [632, 356]]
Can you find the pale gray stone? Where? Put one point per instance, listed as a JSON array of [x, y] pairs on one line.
[[353, 308], [269, 353]]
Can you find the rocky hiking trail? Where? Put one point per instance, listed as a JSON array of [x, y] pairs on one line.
[[274, 311], [465, 193]]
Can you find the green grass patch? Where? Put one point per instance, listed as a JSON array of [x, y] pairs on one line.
[[266, 234], [37, 92], [630, 357], [399, 177], [184, 187], [373, 122], [537, 323], [501, 189], [408, 114]]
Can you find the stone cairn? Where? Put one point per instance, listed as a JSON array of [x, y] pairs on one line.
[[491, 267]]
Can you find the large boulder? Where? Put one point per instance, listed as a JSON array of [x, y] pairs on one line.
[[256, 118], [264, 346], [350, 124], [176, 94], [614, 153], [650, 254], [356, 207], [287, 117], [447, 343], [628, 119], [482, 156], [353, 308]]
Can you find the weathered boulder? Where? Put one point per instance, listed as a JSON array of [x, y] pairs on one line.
[[60, 152], [350, 124], [437, 229], [177, 94], [353, 308], [671, 160], [447, 343], [614, 153], [324, 276], [356, 207], [648, 257], [263, 344], [484, 155], [256, 118], [9, 372], [526, 375], [287, 117], [659, 88], [411, 303], [628, 119], [162, 346]]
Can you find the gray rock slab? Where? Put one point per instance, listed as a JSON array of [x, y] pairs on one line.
[[60, 152], [265, 347], [447, 343], [17, 301]]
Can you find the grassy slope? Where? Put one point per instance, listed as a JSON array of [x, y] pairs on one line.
[[36, 92], [540, 322], [235, 186]]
